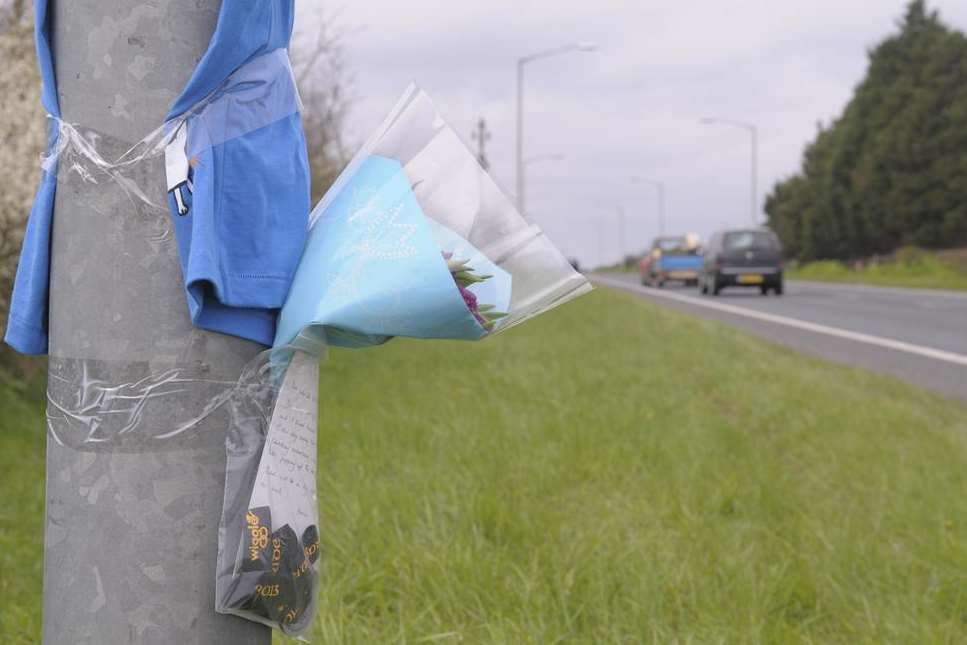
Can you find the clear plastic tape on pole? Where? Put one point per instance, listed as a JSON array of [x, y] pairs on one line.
[[94, 413], [414, 239]]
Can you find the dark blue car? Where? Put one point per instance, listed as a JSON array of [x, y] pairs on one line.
[[742, 258]]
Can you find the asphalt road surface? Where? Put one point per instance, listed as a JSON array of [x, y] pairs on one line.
[[914, 334]]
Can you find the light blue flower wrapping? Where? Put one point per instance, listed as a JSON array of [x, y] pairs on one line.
[[374, 268]]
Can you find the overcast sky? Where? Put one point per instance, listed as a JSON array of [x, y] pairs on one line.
[[633, 107]]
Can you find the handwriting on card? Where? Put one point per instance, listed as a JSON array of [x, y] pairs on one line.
[[286, 479]]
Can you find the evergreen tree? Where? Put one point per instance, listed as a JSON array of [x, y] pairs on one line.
[[892, 170]]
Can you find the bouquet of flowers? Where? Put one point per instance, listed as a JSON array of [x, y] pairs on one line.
[[414, 239]]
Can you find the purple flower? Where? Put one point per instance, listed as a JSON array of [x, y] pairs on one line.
[[468, 297], [464, 276], [471, 301]]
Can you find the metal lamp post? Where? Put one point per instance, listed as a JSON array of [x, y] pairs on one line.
[[521, 63], [131, 535], [753, 131]]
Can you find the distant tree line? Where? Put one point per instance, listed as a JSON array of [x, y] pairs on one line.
[[892, 170]]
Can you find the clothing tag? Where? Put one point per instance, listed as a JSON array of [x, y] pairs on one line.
[[177, 168], [176, 159]]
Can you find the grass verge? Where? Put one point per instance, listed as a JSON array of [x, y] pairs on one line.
[[21, 512], [911, 268], [611, 473]]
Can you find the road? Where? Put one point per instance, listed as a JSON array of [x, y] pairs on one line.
[[917, 335]]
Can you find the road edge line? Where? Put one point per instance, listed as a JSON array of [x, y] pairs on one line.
[[816, 328]]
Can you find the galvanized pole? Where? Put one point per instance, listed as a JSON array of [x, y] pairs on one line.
[[131, 534]]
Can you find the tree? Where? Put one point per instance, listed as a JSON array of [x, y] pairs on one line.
[[13, 11], [318, 63], [890, 171]]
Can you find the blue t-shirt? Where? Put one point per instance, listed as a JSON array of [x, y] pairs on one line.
[[241, 224]]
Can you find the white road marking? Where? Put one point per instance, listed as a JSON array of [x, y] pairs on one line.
[[836, 332], [870, 289]]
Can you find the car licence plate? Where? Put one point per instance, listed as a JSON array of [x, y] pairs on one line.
[[750, 278]]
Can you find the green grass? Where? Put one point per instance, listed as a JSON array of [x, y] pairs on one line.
[[911, 269], [613, 473], [21, 512]]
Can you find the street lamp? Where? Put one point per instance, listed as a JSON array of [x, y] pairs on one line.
[[754, 139], [584, 46], [660, 185]]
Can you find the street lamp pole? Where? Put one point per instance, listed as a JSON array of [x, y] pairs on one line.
[[753, 131], [521, 63], [131, 528]]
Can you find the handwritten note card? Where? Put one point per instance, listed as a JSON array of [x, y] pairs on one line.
[[286, 479]]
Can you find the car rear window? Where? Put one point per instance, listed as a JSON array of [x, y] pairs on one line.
[[743, 240], [670, 244], [677, 246]]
